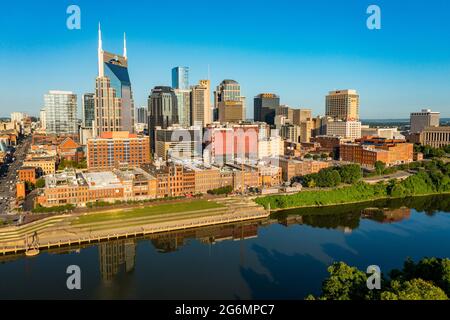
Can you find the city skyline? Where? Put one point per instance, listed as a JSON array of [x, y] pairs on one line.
[[301, 64]]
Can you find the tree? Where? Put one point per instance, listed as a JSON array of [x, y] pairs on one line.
[[308, 156], [379, 167], [416, 289], [345, 283], [429, 279], [350, 173], [434, 270], [40, 183]]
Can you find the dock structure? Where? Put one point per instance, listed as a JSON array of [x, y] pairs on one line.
[[61, 231]]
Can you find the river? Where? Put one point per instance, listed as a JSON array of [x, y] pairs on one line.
[[284, 257]]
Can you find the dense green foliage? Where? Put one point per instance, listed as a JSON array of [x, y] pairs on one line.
[[429, 279], [332, 177], [430, 152], [221, 191], [435, 178], [354, 193], [40, 183], [72, 164]]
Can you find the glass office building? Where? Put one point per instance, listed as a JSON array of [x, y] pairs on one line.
[[88, 110], [162, 111], [61, 113], [180, 78]]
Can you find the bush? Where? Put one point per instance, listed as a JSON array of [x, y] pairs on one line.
[[57, 209], [221, 191], [40, 183]]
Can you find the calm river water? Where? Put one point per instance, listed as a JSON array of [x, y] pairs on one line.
[[284, 257]]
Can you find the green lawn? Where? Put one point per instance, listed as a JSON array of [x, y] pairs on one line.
[[148, 211]]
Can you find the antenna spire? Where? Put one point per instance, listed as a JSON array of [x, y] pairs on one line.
[[100, 52], [125, 45]]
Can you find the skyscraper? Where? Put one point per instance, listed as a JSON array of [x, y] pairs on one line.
[[343, 105], [88, 110], [301, 115], [162, 111], [114, 106], [141, 115], [228, 93], [61, 113], [180, 78], [265, 105], [201, 103], [184, 106]]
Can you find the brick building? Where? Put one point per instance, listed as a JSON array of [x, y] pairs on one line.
[[367, 151], [116, 149]]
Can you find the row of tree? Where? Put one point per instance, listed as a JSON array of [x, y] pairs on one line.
[[430, 152], [332, 177], [429, 279]]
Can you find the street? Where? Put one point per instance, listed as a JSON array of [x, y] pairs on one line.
[[8, 175]]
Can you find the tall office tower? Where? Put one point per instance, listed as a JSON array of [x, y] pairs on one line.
[[114, 106], [162, 111], [228, 92], [141, 115], [301, 115], [286, 112], [61, 113], [201, 103], [42, 119], [180, 78], [184, 106], [423, 119], [265, 105], [343, 105], [230, 111], [88, 110]]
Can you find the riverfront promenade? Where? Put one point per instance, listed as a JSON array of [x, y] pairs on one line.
[[67, 230]]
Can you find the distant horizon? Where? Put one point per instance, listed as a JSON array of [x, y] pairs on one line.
[[300, 55]]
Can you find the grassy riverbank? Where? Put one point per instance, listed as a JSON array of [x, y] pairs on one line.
[[148, 211], [422, 183]]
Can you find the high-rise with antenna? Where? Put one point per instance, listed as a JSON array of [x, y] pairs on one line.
[[114, 105]]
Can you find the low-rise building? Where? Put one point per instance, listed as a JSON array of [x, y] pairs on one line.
[[435, 136], [70, 150], [27, 174], [44, 164], [368, 151], [294, 168], [70, 187]]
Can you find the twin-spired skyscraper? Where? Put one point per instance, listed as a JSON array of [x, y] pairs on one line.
[[114, 105]]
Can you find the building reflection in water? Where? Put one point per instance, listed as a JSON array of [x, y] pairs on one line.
[[116, 255], [120, 255], [387, 215]]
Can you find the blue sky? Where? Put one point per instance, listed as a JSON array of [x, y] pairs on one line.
[[298, 49]]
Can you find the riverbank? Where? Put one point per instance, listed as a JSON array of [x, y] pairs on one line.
[[358, 193], [94, 227]]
